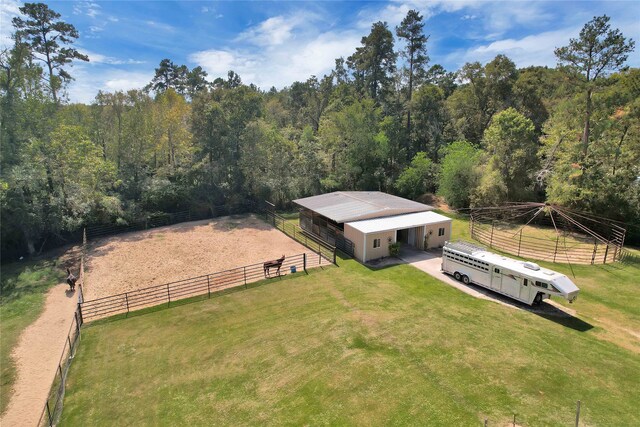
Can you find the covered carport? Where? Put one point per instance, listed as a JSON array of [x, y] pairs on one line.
[[422, 230]]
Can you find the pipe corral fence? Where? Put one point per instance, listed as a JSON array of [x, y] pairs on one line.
[[548, 233]]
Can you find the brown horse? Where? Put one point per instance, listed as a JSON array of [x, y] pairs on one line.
[[71, 280], [276, 263]]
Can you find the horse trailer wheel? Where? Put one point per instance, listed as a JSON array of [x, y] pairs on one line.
[[457, 276], [465, 280], [538, 299]]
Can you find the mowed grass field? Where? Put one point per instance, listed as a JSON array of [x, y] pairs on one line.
[[352, 346]]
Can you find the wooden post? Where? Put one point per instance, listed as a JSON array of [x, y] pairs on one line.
[[126, 300], [208, 287], [595, 250], [555, 251], [486, 422], [519, 242], [606, 253], [168, 296], [49, 413], [578, 414], [514, 420], [244, 269], [79, 311], [491, 239], [304, 262]]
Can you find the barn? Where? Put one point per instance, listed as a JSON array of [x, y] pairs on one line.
[[365, 223]]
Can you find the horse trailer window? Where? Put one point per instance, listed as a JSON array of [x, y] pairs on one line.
[[376, 243], [496, 270], [525, 282], [441, 232]]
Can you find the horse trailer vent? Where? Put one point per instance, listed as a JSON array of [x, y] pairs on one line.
[[531, 266]]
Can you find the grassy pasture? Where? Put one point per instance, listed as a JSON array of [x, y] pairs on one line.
[[23, 289], [353, 346]]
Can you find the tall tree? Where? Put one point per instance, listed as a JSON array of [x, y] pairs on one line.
[[511, 146], [411, 30], [598, 51], [375, 62], [50, 41], [459, 174]]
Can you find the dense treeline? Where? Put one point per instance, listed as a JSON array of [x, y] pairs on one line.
[[383, 119]]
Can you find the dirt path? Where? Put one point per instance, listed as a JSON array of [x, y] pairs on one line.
[[37, 356]]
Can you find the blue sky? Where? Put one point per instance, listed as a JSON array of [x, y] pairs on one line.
[[276, 43]]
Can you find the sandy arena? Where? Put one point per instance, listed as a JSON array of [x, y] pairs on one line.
[[137, 260]]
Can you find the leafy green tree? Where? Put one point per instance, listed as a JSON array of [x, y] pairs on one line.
[[431, 118], [489, 89], [418, 178], [411, 29], [604, 181], [374, 62], [266, 161], [459, 174], [512, 147], [598, 51], [49, 40], [354, 147], [445, 80]]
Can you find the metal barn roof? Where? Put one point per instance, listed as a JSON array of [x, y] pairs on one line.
[[345, 206], [399, 222]]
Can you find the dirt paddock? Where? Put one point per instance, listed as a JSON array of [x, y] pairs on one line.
[[137, 260]]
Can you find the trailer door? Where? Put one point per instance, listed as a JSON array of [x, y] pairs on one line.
[[496, 278], [525, 289]]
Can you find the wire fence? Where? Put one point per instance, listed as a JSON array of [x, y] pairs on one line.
[[561, 249], [53, 405], [299, 235], [208, 284]]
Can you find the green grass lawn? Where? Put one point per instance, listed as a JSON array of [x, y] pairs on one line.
[[354, 346], [23, 289]]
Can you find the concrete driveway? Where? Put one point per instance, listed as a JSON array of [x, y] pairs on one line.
[[430, 262]]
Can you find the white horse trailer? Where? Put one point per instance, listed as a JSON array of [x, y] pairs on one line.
[[520, 280]]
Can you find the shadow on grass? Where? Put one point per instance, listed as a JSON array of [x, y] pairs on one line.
[[565, 320]]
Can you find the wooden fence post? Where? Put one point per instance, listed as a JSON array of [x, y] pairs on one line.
[[304, 262], [491, 239], [168, 296], [555, 251], [595, 250], [49, 414], [79, 311], [245, 276], [606, 253], [519, 242], [208, 286], [126, 300], [578, 414]]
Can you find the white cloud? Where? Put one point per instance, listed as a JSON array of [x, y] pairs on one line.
[[88, 82], [88, 8], [295, 60], [535, 49], [9, 9], [272, 32], [97, 58], [161, 26], [277, 30]]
